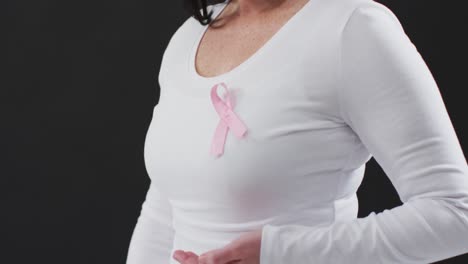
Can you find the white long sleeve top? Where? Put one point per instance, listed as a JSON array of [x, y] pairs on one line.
[[339, 83]]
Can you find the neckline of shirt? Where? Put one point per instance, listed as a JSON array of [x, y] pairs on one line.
[[217, 10]]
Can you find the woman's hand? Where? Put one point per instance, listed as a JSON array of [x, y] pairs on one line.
[[243, 250]]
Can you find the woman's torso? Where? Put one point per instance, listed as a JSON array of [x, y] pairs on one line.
[[299, 163]]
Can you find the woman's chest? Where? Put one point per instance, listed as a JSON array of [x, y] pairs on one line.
[[294, 138], [285, 96]]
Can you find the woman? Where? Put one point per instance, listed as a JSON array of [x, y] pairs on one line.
[[267, 116]]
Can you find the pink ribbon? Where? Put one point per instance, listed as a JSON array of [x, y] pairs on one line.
[[228, 120]]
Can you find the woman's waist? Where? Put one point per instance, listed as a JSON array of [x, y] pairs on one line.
[[195, 233], [191, 226], [222, 226]]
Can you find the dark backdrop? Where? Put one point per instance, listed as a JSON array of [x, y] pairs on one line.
[[76, 100]]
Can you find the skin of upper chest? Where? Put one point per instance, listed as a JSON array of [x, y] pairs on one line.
[[233, 38]]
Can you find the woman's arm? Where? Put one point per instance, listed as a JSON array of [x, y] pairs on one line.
[[392, 102], [153, 235]]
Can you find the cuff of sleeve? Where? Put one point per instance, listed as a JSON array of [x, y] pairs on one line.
[[292, 243], [267, 251]]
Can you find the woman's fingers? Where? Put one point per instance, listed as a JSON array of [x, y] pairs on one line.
[[185, 257]]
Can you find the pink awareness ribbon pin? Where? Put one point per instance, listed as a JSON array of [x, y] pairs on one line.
[[229, 120]]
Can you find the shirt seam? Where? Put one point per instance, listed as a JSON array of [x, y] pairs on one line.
[[339, 84], [340, 110]]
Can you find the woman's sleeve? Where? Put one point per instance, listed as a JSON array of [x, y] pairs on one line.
[[391, 101], [153, 235]]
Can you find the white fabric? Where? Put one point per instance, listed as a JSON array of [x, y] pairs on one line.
[[341, 81]]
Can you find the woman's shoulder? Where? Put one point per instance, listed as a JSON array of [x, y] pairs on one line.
[[191, 25], [182, 37], [368, 12], [341, 15], [341, 11]]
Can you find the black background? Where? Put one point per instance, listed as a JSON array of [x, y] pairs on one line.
[[76, 96]]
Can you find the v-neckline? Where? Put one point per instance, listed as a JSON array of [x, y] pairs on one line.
[[218, 9]]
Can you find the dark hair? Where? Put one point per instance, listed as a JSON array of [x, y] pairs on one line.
[[198, 9]]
